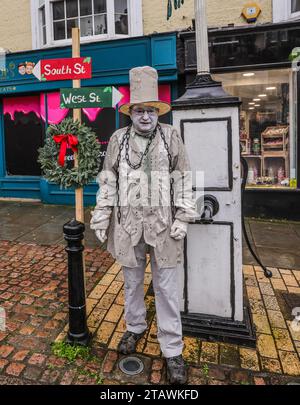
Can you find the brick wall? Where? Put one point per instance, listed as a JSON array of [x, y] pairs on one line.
[[15, 25], [220, 13]]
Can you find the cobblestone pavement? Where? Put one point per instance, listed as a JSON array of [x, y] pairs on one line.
[[33, 284]]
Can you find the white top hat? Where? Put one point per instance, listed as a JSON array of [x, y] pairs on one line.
[[144, 90]]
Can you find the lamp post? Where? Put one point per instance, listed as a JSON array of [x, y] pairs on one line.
[[201, 38]]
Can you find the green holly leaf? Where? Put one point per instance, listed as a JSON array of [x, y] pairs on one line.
[[107, 90], [87, 60]]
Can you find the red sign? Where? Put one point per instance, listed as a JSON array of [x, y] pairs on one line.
[[63, 69]]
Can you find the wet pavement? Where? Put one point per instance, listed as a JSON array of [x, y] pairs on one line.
[[276, 243], [34, 295]]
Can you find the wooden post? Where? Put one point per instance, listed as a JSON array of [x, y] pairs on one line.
[[79, 207]]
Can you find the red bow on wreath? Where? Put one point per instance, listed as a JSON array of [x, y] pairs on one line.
[[66, 141]]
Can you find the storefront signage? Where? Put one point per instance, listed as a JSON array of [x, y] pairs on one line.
[[102, 97], [63, 69]]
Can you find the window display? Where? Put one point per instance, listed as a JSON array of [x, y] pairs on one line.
[[267, 124]]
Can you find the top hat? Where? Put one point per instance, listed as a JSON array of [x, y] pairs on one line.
[[144, 90]]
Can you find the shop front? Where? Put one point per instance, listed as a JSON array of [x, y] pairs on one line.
[[28, 107], [253, 63]]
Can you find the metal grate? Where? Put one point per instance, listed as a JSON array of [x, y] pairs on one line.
[[131, 366]]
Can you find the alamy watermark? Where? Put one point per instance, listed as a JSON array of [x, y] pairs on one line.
[[2, 319], [295, 325]]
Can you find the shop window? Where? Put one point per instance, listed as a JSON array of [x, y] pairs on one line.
[[268, 124], [23, 135], [97, 19], [295, 7], [285, 10]]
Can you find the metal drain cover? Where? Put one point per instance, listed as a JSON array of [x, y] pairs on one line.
[[131, 365]]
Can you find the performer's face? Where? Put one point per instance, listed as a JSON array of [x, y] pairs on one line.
[[144, 118]]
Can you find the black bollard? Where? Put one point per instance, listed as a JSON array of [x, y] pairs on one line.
[[78, 330]]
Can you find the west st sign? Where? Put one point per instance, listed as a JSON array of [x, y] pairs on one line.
[[102, 97], [63, 69]]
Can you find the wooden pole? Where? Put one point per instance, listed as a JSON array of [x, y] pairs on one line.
[[79, 207]]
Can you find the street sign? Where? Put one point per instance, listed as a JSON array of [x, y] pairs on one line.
[[63, 69], [101, 97]]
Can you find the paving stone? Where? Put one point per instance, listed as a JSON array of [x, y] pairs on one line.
[[106, 301], [283, 340], [278, 284], [266, 346], [253, 293], [37, 359], [271, 365], [290, 363], [271, 303], [229, 355], [259, 381], [96, 317], [257, 307], [276, 319], [152, 349], [157, 365], [109, 362], [114, 313], [20, 355], [107, 279], [26, 330], [115, 287], [290, 280], [249, 359], [15, 369], [262, 324], [196, 376], [3, 364], [294, 290], [191, 350], [266, 289], [5, 351], [120, 300], [68, 377], [152, 335], [216, 373], [98, 292], [117, 336], [209, 352], [155, 377], [105, 332], [248, 270], [240, 376], [32, 373]]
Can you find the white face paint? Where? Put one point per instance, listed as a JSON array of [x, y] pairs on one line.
[[144, 118]]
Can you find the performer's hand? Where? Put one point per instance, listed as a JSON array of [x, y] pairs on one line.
[[101, 235], [178, 230]]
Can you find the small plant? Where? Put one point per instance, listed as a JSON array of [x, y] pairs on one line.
[[205, 370], [96, 376], [70, 352]]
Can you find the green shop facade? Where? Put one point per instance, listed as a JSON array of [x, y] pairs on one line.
[[28, 107]]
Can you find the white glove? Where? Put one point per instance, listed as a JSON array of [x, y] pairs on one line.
[[178, 230], [101, 235]]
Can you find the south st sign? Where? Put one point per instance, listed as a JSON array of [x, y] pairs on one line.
[[63, 69]]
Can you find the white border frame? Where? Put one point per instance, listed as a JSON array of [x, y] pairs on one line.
[[282, 11], [135, 24]]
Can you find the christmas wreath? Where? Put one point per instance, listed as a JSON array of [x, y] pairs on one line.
[[66, 138]]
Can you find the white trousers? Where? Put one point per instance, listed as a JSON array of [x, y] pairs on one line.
[[166, 301]]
